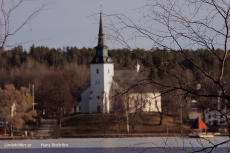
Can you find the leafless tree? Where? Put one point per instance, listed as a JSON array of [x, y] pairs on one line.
[[7, 30], [177, 26], [59, 90], [118, 114]]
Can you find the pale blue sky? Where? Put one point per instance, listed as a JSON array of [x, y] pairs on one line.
[[68, 22], [75, 23]]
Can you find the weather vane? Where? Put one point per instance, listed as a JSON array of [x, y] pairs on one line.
[[101, 6]]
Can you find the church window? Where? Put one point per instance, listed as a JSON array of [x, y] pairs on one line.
[[97, 71]]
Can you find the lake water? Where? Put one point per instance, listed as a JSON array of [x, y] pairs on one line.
[[115, 145]]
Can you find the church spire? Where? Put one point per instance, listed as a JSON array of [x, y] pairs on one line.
[[101, 49], [101, 32]]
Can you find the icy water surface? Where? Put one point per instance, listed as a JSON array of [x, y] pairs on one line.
[[115, 145], [110, 150]]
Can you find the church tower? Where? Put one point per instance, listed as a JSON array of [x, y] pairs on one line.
[[101, 75], [104, 84]]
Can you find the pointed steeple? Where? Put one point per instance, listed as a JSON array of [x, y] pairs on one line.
[[101, 49], [101, 32]]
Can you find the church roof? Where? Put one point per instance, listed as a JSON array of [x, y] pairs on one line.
[[101, 32], [133, 80], [126, 74]]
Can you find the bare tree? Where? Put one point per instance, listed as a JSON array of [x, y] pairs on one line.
[[55, 95], [118, 114], [60, 90], [121, 112], [178, 26], [7, 30]]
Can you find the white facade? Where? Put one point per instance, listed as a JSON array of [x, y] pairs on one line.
[[96, 98], [147, 102], [101, 76]]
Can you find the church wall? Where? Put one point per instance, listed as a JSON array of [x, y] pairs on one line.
[[108, 78], [108, 73], [145, 101], [101, 79], [96, 86], [85, 100]]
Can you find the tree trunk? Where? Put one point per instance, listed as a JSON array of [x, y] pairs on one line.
[[11, 130], [118, 127], [161, 118], [59, 121], [102, 124], [133, 126], [127, 121]]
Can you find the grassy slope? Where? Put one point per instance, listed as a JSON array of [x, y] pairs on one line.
[[98, 124]]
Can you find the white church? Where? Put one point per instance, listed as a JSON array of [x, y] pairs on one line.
[[107, 84]]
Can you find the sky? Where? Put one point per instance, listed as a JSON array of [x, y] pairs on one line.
[[76, 23], [67, 22]]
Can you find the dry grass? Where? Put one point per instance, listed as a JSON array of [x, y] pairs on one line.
[[107, 124]]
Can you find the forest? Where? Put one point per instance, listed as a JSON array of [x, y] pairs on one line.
[[60, 75], [69, 66], [154, 59]]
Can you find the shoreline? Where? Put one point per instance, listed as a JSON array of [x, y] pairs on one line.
[[135, 135]]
